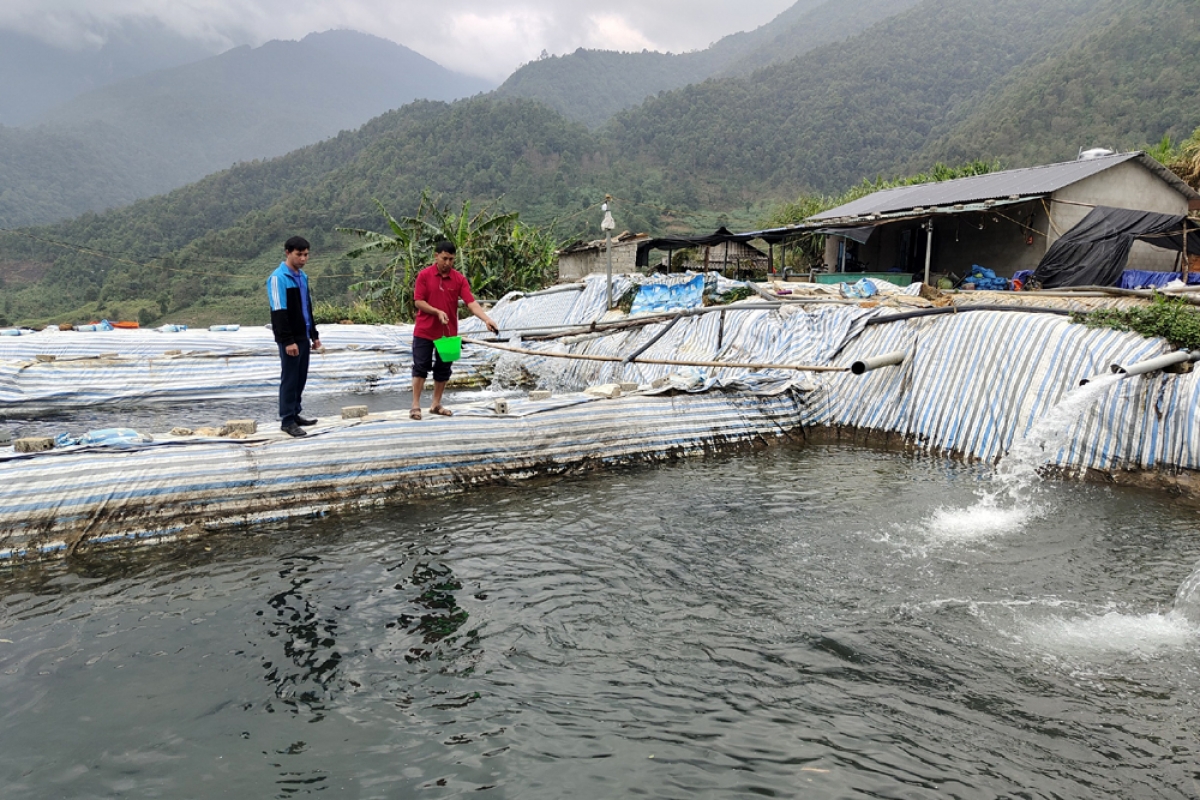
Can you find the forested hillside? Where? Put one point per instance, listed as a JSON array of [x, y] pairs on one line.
[[835, 115], [154, 132], [1014, 81], [173, 252], [1126, 83], [592, 85]]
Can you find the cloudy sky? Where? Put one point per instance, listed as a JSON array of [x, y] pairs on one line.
[[488, 38]]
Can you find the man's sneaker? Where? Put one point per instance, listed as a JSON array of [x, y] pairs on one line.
[[305, 421], [294, 430]]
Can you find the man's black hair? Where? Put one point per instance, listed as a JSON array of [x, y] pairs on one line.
[[295, 243], [445, 246]]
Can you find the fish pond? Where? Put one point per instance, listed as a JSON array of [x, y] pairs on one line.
[[791, 621]]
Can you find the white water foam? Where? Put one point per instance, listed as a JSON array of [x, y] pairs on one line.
[[1113, 633], [1117, 633], [1013, 502]]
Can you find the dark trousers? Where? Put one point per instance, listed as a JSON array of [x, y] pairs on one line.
[[293, 375]]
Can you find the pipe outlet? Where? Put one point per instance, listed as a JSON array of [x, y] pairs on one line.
[[1153, 364], [875, 362]]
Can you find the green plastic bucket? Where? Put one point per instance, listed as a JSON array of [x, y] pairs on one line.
[[449, 348]]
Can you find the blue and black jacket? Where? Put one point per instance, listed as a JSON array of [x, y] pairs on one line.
[[291, 306]]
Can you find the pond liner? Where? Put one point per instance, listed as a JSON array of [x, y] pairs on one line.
[[149, 366], [56, 502]]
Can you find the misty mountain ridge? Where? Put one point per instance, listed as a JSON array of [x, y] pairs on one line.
[[590, 86], [36, 77], [151, 133], [1019, 81]]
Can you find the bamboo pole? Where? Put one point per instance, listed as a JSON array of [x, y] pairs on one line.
[[658, 361]]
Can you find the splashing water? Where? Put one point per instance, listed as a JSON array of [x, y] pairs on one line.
[[1112, 633], [1012, 503], [1187, 599], [1017, 473]]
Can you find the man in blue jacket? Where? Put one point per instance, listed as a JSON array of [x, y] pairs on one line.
[[292, 323]]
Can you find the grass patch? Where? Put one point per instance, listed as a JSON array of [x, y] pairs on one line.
[[1167, 318]]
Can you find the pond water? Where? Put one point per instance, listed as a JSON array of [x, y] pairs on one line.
[[797, 621]]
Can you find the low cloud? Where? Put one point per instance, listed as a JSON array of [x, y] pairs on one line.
[[488, 38]]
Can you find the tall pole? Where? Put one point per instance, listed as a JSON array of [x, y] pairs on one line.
[[1187, 267], [928, 248], [607, 225]]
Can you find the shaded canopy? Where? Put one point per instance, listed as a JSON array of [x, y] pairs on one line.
[[669, 243], [1095, 251]]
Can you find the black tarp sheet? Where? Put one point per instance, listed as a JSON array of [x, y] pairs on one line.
[[1094, 252], [669, 243]]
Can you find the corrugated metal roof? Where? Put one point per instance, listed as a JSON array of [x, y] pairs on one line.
[[1014, 184]]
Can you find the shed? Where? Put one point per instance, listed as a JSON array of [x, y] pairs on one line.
[[1005, 221], [721, 250], [585, 258]]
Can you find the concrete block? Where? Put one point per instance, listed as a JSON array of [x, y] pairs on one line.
[[606, 390], [45, 357], [210, 431], [243, 426], [181, 431], [628, 386], [539, 394], [501, 406], [659, 383], [172, 352], [33, 444], [354, 412]]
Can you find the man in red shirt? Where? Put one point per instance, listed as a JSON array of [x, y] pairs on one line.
[[437, 292]]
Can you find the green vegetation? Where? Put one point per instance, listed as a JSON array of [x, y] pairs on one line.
[[1172, 319], [590, 86], [1127, 75], [942, 77], [154, 132], [1183, 159], [496, 253]]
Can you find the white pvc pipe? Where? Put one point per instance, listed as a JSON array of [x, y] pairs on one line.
[[875, 362], [1153, 364]]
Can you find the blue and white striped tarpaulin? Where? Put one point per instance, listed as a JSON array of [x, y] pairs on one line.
[[51, 502]]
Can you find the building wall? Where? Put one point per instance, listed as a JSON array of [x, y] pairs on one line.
[[995, 239], [1128, 185], [573, 266], [998, 239], [1005, 240]]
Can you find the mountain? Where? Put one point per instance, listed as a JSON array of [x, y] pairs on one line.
[[590, 86], [1023, 81], [36, 76], [154, 132], [1127, 82], [829, 118]]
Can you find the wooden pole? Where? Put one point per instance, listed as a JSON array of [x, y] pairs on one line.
[[659, 361], [928, 250], [1186, 263]]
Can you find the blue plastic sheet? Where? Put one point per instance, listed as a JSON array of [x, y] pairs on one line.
[[1134, 278], [1144, 278], [665, 297]]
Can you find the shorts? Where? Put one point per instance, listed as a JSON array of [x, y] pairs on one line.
[[424, 357]]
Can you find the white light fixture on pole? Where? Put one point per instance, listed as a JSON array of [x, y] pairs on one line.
[[607, 226]]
